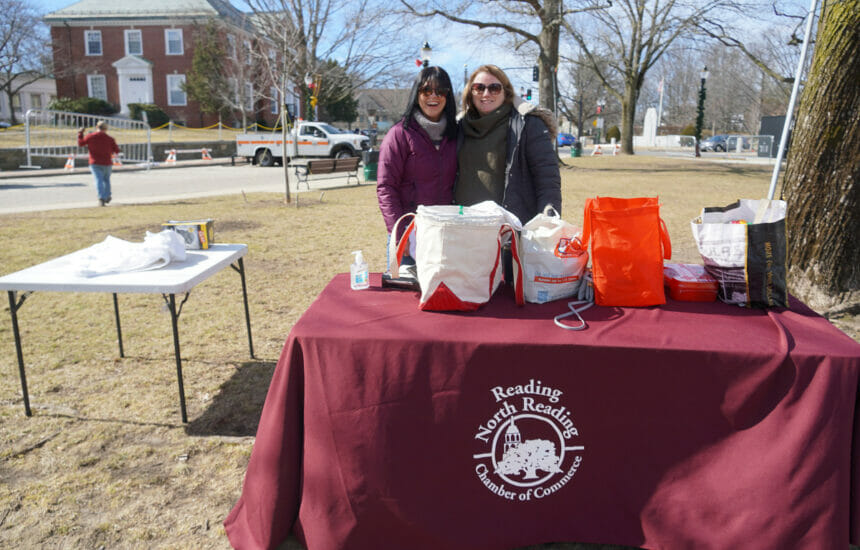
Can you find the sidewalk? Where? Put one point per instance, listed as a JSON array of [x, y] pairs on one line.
[[39, 190], [84, 168]]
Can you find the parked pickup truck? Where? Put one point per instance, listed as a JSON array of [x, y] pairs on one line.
[[307, 139]]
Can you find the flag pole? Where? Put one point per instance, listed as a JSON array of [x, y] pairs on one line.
[[783, 139]]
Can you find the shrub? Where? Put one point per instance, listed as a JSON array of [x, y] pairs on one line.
[[154, 115], [613, 132], [86, 105], [689, 130]]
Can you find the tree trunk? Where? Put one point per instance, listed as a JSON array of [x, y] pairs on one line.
[[628, 112], [9, 96], [548, 58], [823, 224]]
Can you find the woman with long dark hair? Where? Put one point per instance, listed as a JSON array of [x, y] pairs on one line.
[[418, 157]]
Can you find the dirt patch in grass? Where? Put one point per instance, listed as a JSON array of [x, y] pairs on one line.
[[105, 460]]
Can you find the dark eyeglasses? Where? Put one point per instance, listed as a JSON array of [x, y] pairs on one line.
[[494, 88], [438, 92]]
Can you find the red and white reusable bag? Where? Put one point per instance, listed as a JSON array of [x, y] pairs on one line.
[[554, 259], [458, 254]]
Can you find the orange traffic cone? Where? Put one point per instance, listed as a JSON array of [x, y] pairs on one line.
[[596, 151], [171, 157], [617, 148], [70, 164], [206, 155]]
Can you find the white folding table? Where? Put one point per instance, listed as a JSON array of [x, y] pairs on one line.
[[58, 275]]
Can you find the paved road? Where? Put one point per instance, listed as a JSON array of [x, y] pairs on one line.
[[55, 189], [33, 191]]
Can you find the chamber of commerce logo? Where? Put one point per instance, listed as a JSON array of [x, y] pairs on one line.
[[529, 448]]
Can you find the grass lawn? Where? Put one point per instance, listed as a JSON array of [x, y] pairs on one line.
[[105, 460]]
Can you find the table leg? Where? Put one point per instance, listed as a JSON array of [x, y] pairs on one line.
[[174, 319], [118, 328], [241, 270], [13, 309]]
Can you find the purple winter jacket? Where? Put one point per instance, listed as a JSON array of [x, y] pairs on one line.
[[412, 171]]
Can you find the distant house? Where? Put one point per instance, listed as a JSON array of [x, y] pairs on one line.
[[380, 108], [125, 51], [35, 95]]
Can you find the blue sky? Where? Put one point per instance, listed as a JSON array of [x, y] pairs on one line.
[[456, 46]]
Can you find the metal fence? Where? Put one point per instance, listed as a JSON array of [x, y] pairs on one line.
[[54, 134], [742, 145]]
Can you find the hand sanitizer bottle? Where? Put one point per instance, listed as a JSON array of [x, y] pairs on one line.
[[359, 279]]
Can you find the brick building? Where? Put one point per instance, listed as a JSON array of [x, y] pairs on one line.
[[133, 51]]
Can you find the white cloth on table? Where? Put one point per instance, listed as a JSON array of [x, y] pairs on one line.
[[114, 255]]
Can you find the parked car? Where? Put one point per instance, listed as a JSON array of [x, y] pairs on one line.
[[717, 143], [724, 142], [565, 140]]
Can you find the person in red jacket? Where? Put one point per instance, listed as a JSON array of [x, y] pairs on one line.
[[101, 147]]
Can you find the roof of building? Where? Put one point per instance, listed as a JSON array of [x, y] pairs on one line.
[[386, 101], [149, 9]]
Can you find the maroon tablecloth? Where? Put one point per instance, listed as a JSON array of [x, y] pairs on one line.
[[690, 425]]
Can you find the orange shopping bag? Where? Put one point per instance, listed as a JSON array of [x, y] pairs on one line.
[[628, 244]]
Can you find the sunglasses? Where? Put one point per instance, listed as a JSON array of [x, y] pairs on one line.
[[494, 88], [438, 92]]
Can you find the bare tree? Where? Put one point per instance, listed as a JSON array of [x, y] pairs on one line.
[[824, 165], [624, 42], [775, 68], [533, 22], [579, 91], [23, 48], [361, 36]]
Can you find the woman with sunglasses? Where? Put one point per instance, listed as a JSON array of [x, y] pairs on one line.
[[505, 148], [418, 157]]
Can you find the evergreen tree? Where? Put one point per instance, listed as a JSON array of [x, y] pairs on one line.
[[207, 82], [337, 101]]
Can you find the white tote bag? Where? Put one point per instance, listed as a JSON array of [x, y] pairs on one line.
[[458, 254], [553, 258]]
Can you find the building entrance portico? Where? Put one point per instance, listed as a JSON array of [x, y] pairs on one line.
[[135, 81]]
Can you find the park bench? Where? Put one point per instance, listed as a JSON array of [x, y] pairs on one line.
[[331, 167]]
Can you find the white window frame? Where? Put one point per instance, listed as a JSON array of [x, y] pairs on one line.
[[91, 87], [275, 108], [231, 46], [94, 34], [249, 96], [174, 84], [167, 33], [246, 51], [128, 41], [234, 88]]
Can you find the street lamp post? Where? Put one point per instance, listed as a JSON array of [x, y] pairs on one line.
[[700, 112], [426, 50]]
